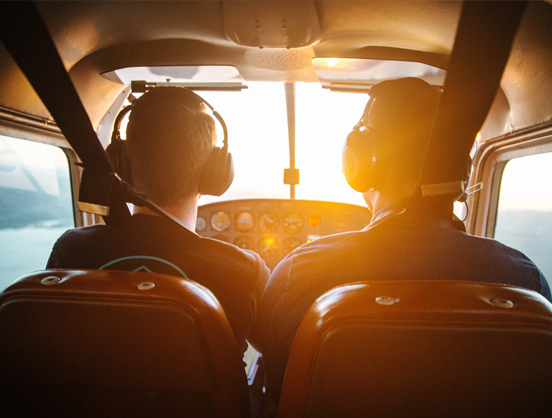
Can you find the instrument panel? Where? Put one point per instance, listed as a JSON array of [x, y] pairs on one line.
[[275, 227]]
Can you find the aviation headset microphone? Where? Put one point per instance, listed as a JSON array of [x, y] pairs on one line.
[[217, 174], [361, 165]]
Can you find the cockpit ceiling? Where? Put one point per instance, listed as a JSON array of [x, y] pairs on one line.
[[271, 43], [242, 33]]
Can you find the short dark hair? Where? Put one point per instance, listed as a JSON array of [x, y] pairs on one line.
[[403, 110], [170, 138]]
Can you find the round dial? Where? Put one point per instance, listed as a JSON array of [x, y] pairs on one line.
[[220, 221], [201, 223], [268, 247], [245, 242], [244, 222], [268, 222], [290, 244], [293, 223]]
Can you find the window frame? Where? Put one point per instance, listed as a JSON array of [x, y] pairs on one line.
[[20, 126], [489, 163]]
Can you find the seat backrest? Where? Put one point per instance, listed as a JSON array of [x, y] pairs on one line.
[[112, 344], [422, 349]]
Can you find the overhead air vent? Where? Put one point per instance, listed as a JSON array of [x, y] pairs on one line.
[[271, 24], [282, 59]]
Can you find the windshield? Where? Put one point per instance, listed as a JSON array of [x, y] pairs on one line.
[[258, 140]]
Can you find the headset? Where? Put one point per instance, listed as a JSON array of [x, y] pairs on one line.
[[362, 167], [364, 170], [217, 174]]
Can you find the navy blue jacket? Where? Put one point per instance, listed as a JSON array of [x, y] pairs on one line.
[[402, 247], [150, 243]]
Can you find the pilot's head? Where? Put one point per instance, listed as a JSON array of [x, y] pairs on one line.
[[386, 149], [169, 139]]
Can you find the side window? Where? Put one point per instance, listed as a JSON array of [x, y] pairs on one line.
[[524, 218], [35, 205]]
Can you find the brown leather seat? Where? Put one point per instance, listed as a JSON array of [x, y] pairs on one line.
[[110, 343], [422, 349]]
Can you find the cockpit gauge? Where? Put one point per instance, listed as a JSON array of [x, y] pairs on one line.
[[268, 247], [201, 224], [220, 221], [290, 244], [292, 223], [245, 242], [244, 222], [314, 220], [268, 222]]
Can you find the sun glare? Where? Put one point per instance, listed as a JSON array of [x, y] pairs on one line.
[[258, 141]]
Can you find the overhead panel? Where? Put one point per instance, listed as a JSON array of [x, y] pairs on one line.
[[271, 24]]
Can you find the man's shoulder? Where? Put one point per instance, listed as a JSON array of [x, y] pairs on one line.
[[229, 252], [330, 244], [321, 255], [86, 235], [78, 243], [495, 247]]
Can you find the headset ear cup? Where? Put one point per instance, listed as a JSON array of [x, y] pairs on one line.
[[117, 153], [360, 166], [218, 173]]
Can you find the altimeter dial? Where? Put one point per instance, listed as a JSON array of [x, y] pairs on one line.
[[220, 221]]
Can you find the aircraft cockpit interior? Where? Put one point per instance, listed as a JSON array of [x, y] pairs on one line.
[[296, 266]]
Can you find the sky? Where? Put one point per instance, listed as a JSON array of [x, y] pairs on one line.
[[527, 184], [258, 140]]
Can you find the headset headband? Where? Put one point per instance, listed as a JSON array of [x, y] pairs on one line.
[[142, 87], [218, 172]]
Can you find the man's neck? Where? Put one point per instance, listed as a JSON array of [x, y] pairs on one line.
[[185, 210], [384, 204]]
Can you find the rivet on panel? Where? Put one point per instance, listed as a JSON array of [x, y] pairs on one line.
[[502, 303], [386, 300], [50, 280], [146, 286]]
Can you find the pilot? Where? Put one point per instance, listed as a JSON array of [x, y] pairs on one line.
[[170, 139], [422, 242]]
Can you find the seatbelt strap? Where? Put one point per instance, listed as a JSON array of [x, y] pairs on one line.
[[484, 38], [27, 39]]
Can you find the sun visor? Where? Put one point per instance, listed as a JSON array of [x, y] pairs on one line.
[[361, 74], [204, 77]]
